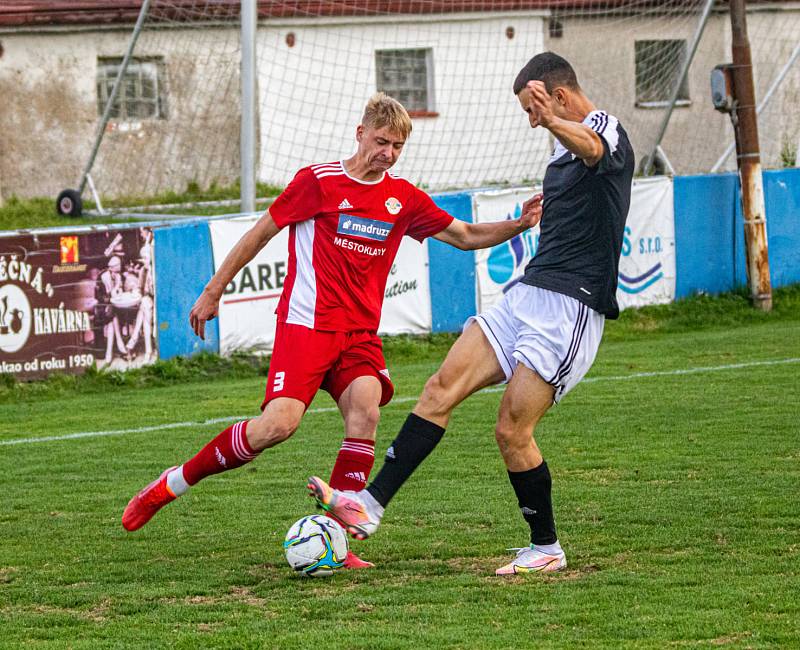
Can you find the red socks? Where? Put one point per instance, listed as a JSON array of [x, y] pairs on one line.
[[353, 464], [228, 450]]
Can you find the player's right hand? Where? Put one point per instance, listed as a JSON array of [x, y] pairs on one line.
[[540, 104], [532, 210], [205, 308]]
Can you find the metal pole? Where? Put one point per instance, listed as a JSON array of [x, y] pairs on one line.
[[775, 84], [698, 34], [749, 161], [247, 137], [95, 195], [114, 90]]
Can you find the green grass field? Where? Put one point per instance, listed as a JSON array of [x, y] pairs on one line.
[[676, 469]]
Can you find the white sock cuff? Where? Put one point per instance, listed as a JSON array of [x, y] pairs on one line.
[[550, 549], [176, 483], [374, 508]]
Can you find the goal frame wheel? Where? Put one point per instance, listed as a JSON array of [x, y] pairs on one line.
[[69, 203]]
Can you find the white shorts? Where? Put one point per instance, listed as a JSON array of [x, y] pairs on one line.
[[552, 334]]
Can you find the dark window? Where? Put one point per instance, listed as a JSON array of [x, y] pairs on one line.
[[658, 64], [407, 75], [141, 93]]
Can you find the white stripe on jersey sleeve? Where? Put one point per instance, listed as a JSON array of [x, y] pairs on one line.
[[604, 125], [303, 299], [558, 151], [319, 170], [336, 165]]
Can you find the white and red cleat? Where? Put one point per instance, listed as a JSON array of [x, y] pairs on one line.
[[529, 560], [347, 507], [147, 502]]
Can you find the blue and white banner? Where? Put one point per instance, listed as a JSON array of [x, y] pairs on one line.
[[497, 268], [647, 263]]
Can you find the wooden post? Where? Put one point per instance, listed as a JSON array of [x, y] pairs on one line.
[[749, 162]]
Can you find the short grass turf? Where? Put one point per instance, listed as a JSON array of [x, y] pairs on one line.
[[676, 495]]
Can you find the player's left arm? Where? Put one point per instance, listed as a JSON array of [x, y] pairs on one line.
[[469, 236]]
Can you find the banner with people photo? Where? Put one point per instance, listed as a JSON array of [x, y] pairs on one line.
[[247, 308], [68, 302], [646, 266]]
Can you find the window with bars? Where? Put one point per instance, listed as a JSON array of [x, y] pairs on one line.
[[658, 64], [407, 75], [141, 93]]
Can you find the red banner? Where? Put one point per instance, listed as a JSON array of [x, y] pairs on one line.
[[70, 301]]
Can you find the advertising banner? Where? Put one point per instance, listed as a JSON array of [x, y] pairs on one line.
[[247, 309], [407, 298], [70, 301], [499, 267], [646, 266]]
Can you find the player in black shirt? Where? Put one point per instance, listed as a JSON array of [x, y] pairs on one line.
[[543, 336], [587, 193]]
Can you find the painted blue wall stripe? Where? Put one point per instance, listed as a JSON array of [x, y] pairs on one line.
[[704, 233], [184, 264], [452, 271], [709, 231], [782, 196]]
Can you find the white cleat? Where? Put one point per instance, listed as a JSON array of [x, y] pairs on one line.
[[350, 508], [529, 560]]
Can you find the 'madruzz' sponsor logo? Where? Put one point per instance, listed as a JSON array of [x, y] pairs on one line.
[[366, 228]]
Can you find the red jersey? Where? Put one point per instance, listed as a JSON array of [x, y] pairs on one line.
[[343, 238]]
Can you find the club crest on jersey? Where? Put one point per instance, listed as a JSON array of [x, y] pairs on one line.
[[366, 228], [393, 206]]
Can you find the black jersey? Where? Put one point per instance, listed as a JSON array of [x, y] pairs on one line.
[[583, 219]]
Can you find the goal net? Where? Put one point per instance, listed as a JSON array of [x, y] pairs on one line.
[[176, 119]]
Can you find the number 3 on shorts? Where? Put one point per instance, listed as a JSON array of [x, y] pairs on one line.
[[277, 385]]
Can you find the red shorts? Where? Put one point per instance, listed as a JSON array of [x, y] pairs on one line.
[[305, 360]]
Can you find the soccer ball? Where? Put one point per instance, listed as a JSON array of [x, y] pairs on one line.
[[315, 546]]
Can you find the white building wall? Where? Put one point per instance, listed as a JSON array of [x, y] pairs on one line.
[[774, 36], [313, 94], [49, 114]]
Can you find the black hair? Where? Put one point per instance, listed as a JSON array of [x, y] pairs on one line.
[[554, 70]]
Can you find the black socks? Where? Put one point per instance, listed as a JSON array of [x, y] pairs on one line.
[[417, 439], [533, 493]]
